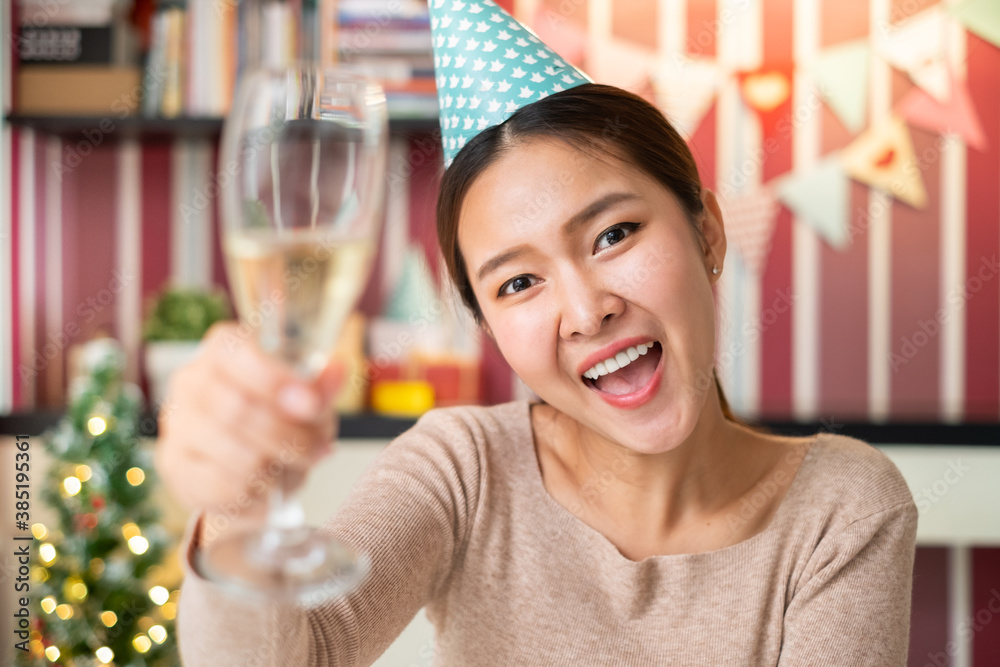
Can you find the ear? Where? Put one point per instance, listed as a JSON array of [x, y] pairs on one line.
[[714, 232]]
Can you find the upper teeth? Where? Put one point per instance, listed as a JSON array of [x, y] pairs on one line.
[[620, 360]]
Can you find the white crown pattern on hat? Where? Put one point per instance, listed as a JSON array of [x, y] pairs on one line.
[[487, 66]]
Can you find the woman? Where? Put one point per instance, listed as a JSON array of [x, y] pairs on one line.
[[625, 519]]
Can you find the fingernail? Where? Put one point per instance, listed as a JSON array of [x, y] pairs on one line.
[[299, 402]]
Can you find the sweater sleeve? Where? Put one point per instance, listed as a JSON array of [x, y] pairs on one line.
[[854, 607], [410, 513]]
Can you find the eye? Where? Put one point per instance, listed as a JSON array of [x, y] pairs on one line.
[[614, 235], [516, 284]]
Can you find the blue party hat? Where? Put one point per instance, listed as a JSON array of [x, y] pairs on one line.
[[488, 66]]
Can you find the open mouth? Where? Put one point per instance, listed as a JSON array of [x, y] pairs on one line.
[[627, 373]]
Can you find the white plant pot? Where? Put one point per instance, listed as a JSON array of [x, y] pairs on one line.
[[162, 359]]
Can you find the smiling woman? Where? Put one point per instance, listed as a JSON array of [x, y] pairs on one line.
[[626, 518], [604, 191]]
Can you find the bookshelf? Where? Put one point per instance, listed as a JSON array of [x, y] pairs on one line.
[[367, 426], [168, 129], [141, 196]]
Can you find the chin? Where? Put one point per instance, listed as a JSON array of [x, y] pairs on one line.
[[658, 435], [654, 430]]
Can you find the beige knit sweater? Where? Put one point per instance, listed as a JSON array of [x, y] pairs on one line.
[[456, 519]]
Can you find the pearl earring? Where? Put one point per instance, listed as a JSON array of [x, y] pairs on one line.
[[715, 270]]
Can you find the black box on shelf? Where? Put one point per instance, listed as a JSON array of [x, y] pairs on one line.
[[66, 45]]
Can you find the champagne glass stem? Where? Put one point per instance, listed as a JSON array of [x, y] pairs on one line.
[[284, 512]]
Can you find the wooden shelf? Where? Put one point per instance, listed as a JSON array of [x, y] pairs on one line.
[[363, 426], [111, 128], [378, 427]]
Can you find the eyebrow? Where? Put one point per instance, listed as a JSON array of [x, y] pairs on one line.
[[591, 211]]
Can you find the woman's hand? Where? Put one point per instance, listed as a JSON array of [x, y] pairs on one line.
[[236, 421]]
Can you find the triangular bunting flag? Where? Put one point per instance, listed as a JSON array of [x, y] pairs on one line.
[[415, 294], [749, 220], [820, 197], [623, 62], [883, 158], [917, 46], [958, 116], [766, 90], [841, 76], [979, 16], [685, 89]]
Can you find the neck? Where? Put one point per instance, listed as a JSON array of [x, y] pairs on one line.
[[657, 493]]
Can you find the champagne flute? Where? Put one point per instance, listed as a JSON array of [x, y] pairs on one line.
[[305, 149]]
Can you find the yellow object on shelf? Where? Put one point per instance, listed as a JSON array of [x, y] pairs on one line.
[[402, 399]]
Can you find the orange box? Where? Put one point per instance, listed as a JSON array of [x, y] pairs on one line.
[[78, 90]]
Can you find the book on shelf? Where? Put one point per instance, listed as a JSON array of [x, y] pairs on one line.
[[191, 64], [198, 48], [390, 40], [75, 58]]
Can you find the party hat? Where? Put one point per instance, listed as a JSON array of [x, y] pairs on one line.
[[488, 66]]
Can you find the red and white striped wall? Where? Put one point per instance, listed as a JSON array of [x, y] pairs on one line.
[[90, 229], [139, 208], [829, 354]]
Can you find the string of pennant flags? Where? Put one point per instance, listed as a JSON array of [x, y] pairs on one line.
[[881, 154]]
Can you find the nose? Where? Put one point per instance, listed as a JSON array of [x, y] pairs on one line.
[[586, 304]]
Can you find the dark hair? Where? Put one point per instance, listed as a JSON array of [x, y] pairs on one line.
[[591, 116]]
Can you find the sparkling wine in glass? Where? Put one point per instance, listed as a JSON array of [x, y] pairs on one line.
[[304, 153]]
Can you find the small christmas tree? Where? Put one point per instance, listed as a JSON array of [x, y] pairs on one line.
[[100, 591]]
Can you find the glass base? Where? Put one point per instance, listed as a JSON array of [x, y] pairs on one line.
[[295, 565]]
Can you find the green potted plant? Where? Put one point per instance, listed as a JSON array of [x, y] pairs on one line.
[[175, 322]]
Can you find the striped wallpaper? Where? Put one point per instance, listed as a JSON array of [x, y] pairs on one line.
[[90, 229], [97, 225]]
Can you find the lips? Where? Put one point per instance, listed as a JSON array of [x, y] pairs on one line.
[[628, 385]]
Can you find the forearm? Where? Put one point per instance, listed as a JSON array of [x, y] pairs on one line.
[[217, 627]]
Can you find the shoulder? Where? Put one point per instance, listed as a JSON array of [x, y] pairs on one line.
[[459, 437], [853, 479], [471, 422]]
